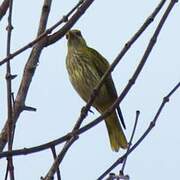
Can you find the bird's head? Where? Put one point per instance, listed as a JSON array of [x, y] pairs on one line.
[[75, 39]]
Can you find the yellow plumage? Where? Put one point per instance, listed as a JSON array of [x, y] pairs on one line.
[[85, 68]]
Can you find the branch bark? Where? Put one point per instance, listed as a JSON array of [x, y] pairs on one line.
[[147, 131], [29, 71], [30, 67], [3, 8], [60, 33]]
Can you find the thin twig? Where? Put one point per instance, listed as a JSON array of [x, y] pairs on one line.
[[58, 35], [147, 131], [29, 72], [26, 151], [53, 149], [59, 158], [3, 8], [9, 94], [130, 141], [6, 173], [62, 31]]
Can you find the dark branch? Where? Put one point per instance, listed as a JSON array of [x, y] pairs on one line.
[[59, 158], [49, 31], [3, 8], [53, 149], [59, 34], [130, 142], [28, 74], [9, 78], [147, 131]]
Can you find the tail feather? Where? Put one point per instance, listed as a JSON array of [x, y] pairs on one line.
[[116, 134]]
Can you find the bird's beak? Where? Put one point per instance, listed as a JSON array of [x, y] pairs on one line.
[[69, 34]]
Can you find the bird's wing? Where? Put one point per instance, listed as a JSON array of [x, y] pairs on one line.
[[101, 64]]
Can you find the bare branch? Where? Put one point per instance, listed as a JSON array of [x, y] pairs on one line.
[[130, 142], [9, 78], [59, 158], [6, 173], [53, 149], [30, 68], [26, 151], [60, 34], [147, 131], [3, 8]]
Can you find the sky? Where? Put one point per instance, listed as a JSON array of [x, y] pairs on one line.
[[106, 26]]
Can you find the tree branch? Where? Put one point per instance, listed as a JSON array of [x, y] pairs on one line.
[[130, 142], [61, 33], [3, 8], [147, 131], [31, 66], [29, 70], [53, 149], [9, 78]]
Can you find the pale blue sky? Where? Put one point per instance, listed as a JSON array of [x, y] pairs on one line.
[[106, 26]]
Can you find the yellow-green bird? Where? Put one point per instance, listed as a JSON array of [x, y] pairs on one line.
[[85, 67]]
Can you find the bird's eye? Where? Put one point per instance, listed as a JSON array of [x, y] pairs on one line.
[[78, 33]]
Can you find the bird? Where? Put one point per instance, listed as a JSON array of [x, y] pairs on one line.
[[85, 67]]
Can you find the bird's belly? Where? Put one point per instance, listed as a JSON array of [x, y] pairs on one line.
[[84, 85]]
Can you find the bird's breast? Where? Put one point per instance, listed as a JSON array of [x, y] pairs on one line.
[[84, 77]]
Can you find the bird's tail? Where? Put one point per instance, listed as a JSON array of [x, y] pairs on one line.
[[116, 134]]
